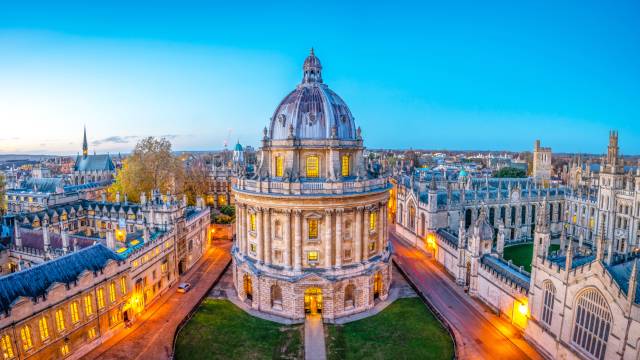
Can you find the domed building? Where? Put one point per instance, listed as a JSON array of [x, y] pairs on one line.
[[312, 221]]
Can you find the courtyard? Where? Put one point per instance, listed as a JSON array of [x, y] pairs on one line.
[[522, 254], [404, 330], [220, 330]]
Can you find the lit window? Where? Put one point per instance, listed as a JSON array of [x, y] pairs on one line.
[[279, 166], [135, 263], [252, 247], [7, 347], [64, 349], [164, 267], [25, 335], [88, 305], [123, 285], [373, 220], [345, 165], [75, 316], [115, 317], [112, 292], [252, 222], [100, 298], [60, 320], [372, 246], [91, 334], [313, 166], [312, 256], [313, 228], [44, 328]]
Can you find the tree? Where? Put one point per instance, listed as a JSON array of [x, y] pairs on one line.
[[150, 166], [197, 182], [510, 172]]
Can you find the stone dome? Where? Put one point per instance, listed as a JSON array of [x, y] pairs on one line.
[[312, 110]]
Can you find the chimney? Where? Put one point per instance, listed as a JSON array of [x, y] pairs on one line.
[[65, 241], [111, 241]]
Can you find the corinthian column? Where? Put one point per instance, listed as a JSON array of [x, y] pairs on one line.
[[380, 229], [297, 224], [267, 235], [260, 236], [358, 240], [287, 239], [339, 238], [327, 238]]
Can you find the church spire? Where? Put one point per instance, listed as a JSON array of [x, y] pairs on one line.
[[85, 145]]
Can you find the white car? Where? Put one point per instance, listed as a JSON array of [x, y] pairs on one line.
[[184, 287]]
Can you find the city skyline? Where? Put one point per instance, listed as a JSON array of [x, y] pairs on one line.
[[453, 78]]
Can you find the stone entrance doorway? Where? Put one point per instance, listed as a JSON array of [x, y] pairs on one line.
[[377, 285], [248, 287], [313, 301]]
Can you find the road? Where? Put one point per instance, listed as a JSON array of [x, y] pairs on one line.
[[480, 334], [151, 337]]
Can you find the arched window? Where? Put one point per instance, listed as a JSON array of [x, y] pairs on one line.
[[412, 217], [279, 166], [423, 224], [547, 302], [313, 166], [591, 324], [345, 165], [276, 297], [400, 212], [349, 297]]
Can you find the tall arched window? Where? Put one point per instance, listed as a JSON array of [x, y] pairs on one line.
[[279, 166], [313, 166], [400, 213], [276, 297], [548, 297], [412, 217], [345, 165], [423, 224], [591, 323], [349, 296]]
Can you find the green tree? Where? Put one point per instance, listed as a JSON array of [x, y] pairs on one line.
[[150, 166], [510, 172], [197, 182]]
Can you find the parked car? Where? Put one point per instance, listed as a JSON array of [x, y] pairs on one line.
[[184, 287]]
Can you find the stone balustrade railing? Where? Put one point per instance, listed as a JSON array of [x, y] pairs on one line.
[[271, 186]]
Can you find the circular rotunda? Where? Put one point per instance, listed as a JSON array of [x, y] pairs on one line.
[[312, 219]]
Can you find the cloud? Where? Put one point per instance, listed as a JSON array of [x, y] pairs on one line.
[[114, 140], [170, 136]]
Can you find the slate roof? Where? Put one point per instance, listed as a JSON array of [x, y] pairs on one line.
[[35, 282], [42, 185], [101, 162], [621, 273], [510, 272], [578, 260]]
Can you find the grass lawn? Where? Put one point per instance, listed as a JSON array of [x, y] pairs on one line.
[[521, 254], [220, 330], [404, 330]]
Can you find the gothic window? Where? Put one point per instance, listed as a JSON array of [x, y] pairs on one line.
[[422, 224], [279, 166], [25, 336], [412, 217], [345, 165], [313, 166], [400, 212], [547, 302], [313, 229], [7, 346], [591, 324], [349, 296], [276, 297]]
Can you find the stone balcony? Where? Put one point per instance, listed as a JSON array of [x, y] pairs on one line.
[[271, 186]]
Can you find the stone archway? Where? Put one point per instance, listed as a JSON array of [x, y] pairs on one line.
[[377, 285], [248, 287], [313, 301]]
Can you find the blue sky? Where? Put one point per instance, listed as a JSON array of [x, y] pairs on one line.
[[464, 75]]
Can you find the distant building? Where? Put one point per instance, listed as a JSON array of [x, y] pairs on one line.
[[541, 162], [92, 168]]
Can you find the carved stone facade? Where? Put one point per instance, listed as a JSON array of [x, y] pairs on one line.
[[312, 222]]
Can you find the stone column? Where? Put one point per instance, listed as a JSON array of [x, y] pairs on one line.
[[287, 239], [358, 240], [243, 231], [365, 232], [297, 253], [259, 236], [267, 235], [380, 228], [328, 239], [339, 238]]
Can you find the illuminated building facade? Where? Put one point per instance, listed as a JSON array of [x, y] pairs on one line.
[[311, 229], [82, 270]]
